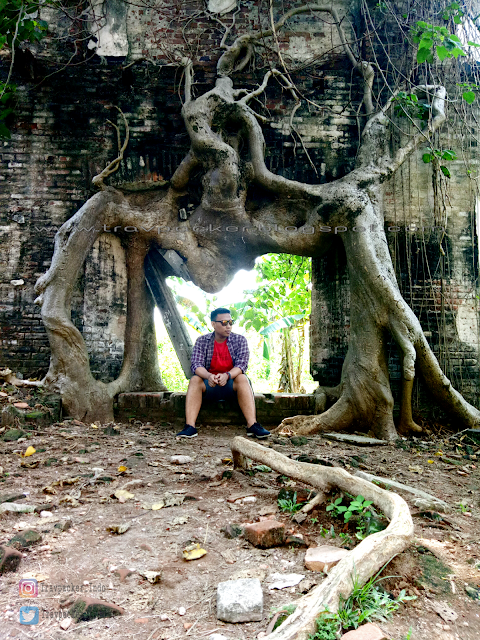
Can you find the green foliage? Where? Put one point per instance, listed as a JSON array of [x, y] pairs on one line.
[[435, 155], [262, 468], [367, 523], [17, 25], [284, 612], [407, 104], [470, 91], [290, 505], [358, 505], [327, 627], [369, 603]]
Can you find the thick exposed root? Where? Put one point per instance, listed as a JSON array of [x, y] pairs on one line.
[[361, 563]]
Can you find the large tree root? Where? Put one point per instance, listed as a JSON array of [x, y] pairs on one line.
[[361, 563]]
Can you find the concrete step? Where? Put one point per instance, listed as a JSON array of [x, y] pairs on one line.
[[167, 406]]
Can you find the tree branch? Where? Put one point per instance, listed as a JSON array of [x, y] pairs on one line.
[[113, 166]]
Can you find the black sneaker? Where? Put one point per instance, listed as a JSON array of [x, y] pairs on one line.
[[257, 431], [188, 432]]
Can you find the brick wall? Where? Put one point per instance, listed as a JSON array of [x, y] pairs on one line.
[[61, 139]]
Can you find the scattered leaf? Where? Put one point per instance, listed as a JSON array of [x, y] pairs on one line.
[[122, 495], [152, 576], [29, 452], [193, 552], [415, 468], [118, 528], [122, 469]]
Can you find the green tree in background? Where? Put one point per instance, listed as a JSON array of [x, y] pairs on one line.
[[282, 303]]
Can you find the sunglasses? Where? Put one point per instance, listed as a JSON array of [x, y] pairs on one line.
[[225, 322]]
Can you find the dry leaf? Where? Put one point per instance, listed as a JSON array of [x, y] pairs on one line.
[[29, 452], [118, 528], [122, 495], [152, 576], [193, 552], [122, 469], [49, 489], [415, 468]]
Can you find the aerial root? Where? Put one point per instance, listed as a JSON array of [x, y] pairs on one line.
[[362, 562]]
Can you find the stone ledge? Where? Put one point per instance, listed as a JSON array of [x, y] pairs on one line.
[[169, 406]]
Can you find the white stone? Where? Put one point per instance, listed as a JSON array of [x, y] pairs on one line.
[[284, 580], [181, 459], [323, 558], [65, 623], [221, 6], [240, 600], [182, 611], [217, 636]]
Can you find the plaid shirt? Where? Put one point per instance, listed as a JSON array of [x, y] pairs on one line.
[[203, 351]]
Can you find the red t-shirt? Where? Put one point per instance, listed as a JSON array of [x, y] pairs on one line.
[[221, 359]]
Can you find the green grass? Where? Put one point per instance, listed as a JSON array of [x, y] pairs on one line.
[[367, 603]]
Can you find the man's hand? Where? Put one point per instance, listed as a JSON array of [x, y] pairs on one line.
[[212, 380], [222, 379]]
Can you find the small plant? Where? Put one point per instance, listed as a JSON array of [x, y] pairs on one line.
[[314, 520], [464, 508], [283, 613], [346, 538], [358, 505], [327, 627], [409, 634], [407, 104], [290, 505], [369, 603]]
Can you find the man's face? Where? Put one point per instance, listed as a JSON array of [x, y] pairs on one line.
[[217, 325]]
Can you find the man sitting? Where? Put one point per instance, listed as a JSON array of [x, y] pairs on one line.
[[219, 362]]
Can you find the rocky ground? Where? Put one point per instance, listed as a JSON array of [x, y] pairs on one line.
[[126, 548]]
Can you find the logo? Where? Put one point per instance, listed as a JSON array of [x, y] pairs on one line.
[[29, 615], [28, 588]]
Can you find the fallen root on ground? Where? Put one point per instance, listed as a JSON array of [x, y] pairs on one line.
[[362, 562]]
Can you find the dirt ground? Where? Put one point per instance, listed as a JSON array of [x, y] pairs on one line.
[[442, 560]]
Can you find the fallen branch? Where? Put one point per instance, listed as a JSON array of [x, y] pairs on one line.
[[11, 378], [436, 502], [358, 565]]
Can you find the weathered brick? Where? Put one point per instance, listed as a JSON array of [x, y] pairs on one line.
[[265, 534]]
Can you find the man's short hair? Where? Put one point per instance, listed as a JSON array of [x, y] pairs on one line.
[[217, 312]]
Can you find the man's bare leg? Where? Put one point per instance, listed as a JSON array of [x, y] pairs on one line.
[[245, 398], [193, 401]]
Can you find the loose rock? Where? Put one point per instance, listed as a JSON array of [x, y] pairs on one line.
[[365, 632], [265, 534], [323, 558], [9, 559], [240, 601], [233, 531], [284, 580], [361, 441], [90, 608], [181, 459], [14, 507], [25, 539], [123, 573]]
